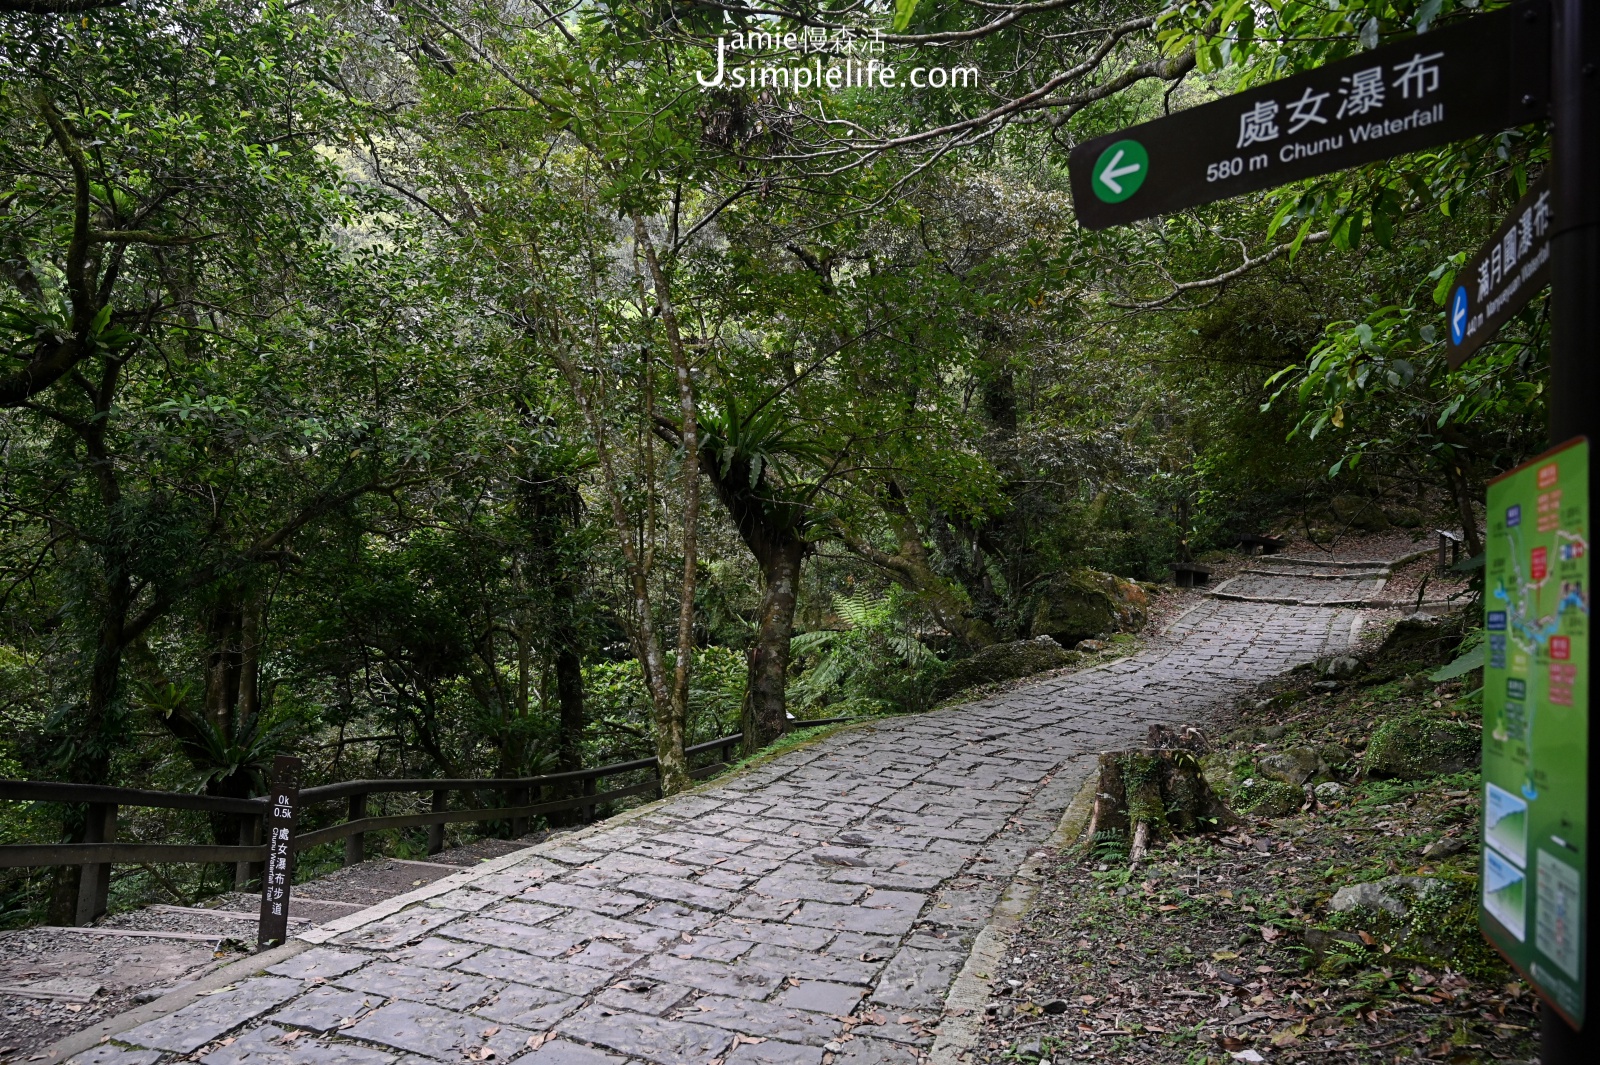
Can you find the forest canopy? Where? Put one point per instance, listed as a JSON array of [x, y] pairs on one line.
[[433, 388]]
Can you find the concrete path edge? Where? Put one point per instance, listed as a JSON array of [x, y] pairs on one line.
[[961, 1028]]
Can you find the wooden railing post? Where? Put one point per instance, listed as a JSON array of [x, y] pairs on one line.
[[278, 879], [441, 803], [588, 789], [94, 883], [249, 836], [519, 825], [355, 846]]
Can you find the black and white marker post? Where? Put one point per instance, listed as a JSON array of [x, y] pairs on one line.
[[1575, 368]]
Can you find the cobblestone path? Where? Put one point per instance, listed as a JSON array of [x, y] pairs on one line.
[[817, 906]]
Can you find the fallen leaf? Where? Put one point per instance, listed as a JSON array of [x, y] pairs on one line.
[[537, 1041], [1245, 1055], [751, 1039], [489, 1032]]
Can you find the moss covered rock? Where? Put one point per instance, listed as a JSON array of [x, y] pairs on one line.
[[1293, 765], [1082, 604], [1004, 661], [1260, 797], [1413, 747]]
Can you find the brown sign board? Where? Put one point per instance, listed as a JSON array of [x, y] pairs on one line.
[[1482, 75]]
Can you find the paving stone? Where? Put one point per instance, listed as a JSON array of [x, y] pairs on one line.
[[883, 913], [714, 947], [918, 979], [319, 962], [861, 1051], [398, 929], [766, 1019], [716, 977], [605, 955], [650, 1038], [773, 1052], [106, 1054], [448, 988], [436, 953], [437, 1033], [561, 1052], [326, 1007], [534, 1008], [638, 995], [529, 913], [206, 1019], [786, 935], [672, 890], [782, 886], [609, 903], [544, 942], [268, 1045], [813, 965], [821, 996], [466, 899], [526, 969], [671, 915]]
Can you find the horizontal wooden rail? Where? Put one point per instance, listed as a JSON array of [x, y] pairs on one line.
[[50, 791], [303, 840], [25, 855]]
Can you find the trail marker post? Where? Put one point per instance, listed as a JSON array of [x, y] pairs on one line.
[[277, 879], [1532, 60]]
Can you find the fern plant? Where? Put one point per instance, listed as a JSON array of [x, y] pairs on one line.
[[874, 664]]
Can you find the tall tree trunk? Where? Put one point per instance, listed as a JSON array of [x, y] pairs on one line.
[[765, 714], [574, 720]]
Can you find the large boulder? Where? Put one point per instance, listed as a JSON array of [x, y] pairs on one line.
[[1082, 604], [1414, 747], [1005, 661]]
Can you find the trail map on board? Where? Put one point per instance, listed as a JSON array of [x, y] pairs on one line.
[[1535, 720]]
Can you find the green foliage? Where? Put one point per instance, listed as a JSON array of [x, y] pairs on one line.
[[873, 664]]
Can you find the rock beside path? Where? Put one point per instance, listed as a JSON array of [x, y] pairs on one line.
[[1414, 747]]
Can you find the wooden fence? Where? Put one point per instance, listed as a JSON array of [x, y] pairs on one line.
[[525, 798]]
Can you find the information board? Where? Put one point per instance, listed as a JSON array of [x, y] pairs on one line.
[[1535, 722], [1484, 74]]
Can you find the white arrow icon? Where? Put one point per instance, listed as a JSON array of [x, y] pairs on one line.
[[1108, 176], [1459, 321]]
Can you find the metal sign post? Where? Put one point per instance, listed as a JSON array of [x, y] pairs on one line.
[[278, 877], [1574, 367]]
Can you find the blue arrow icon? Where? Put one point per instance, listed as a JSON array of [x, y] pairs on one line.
[[1458, 316]]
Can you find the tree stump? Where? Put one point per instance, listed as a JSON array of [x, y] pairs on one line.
[[1156, 793]]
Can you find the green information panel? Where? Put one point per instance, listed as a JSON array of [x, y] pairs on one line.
[[1535, 722]]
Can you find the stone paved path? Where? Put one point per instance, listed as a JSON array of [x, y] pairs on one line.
[[818, 905]]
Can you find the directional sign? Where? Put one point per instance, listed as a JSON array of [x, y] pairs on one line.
[[1536, 722], [1483, 75], [1505, 274]]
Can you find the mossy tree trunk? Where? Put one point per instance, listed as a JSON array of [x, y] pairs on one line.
[[1152, 794]]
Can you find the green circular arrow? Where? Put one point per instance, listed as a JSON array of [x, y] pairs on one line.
[[1119, 171]]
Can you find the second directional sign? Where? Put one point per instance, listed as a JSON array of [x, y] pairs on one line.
[[1486, 74]]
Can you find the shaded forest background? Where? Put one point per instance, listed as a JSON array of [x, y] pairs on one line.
[[448, 389]]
